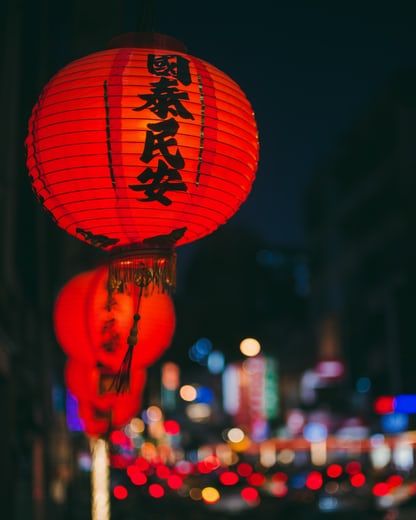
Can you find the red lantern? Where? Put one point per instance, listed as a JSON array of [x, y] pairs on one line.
[[94, 424], [92, 387], [91, 329], [139, 148]]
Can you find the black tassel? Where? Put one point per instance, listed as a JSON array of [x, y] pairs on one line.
[[121, 382]]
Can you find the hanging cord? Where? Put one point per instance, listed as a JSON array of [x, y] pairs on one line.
[[121, 381]]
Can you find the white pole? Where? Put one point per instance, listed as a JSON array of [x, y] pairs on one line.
[[100, 480]]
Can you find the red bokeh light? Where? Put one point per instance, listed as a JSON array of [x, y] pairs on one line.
[[175, 482], [162, 471], [380, 489], [142, 464], [250, 494], [279, 489], [353, 467], [334, 470], [172, 427], [314, 480], [357, 480], [244, 469], [119, 461], [229, 478], [118, 437], [156, 491], [256, 479], [212, 462], [120, 492], [279, 477], [202, 467], [394, 481], [384, 405], [136, 476]]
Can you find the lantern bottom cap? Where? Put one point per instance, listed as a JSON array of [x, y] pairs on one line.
[[153, 268]]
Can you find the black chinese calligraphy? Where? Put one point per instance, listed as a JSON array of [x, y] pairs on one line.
[[97, 240], [167, 102], [159, 138], [170, 65], [168, 240], [165, 99], [162, 180]]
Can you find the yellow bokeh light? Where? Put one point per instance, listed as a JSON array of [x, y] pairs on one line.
[[210, 495], [250, 347], [241, 446], [198, 412], [136, 425], [235, 435], [148, 450], [286, 456], [188, 393]]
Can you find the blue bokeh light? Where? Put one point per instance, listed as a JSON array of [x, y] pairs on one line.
[[216, 362]]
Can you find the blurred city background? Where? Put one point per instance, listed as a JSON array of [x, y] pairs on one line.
[[313, 416]]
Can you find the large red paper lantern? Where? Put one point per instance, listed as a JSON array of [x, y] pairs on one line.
[[139, 148], [93, 330]]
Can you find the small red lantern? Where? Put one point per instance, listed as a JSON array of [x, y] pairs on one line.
[[92, 329], [94, 424], [139, 148]]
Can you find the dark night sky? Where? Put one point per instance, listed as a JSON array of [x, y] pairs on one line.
[[309, 72]]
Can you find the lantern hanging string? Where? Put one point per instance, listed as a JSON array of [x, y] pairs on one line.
[[121, 381]]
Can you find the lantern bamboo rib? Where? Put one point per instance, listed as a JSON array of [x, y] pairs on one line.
[[108, 135]]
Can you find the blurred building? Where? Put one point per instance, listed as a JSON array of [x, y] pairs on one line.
[[360, 219]]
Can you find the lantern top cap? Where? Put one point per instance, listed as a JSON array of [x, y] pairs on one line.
[[146, 40]]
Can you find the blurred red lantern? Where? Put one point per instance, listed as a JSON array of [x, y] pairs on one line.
[[96, 397], [92, 329], [139, 148], [95, 424]]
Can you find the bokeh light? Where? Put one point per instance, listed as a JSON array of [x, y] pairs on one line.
[[380, 489], [156, 491], [154, 413], [314, 480], [235, 435], [244, 469], [136, 425], [172, 427], [250, 494], [334, 471], [229, 478], [120, 492], [250, 347], [187, 393], [357, 480], [210, 495], [256, 479], [216, 362], [286, 456], [175, 482], [195, 493]]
